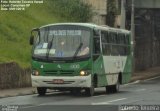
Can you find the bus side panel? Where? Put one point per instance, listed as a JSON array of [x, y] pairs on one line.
[[113, 66], [98, 68], [126, 75]]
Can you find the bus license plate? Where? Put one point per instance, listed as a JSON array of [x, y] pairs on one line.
[[58, 81]]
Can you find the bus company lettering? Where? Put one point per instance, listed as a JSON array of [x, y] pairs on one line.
[[75, 66], [65, 32]]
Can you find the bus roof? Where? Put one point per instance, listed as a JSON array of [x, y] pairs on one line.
[[107, 28], [91, 25]]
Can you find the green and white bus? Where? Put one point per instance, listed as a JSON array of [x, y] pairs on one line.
[[80, 56]]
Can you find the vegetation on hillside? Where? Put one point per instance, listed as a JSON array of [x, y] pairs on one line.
[[74, 10], [15, 26]]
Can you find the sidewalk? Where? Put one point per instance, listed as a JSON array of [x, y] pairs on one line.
[[149, 73], [17, 92], [142, 75]]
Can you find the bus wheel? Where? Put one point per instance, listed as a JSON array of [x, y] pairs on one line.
[[41, 91], [90, 91], [115, 88], [108, 89]]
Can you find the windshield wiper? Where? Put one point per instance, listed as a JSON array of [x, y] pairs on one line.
[[50, 43], [78, 49]]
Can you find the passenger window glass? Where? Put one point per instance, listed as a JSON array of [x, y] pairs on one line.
[[127, 39], [106, 49], [96, 45]]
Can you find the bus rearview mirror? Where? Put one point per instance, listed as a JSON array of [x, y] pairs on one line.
[[31, 39], [32, 35]]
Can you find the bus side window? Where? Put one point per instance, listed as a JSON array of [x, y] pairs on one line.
[[103, 36], [117, 39], [115, 50], [96, 45], [96, 42], [106, 49], [114, 37], [127, 39], [122, 39]]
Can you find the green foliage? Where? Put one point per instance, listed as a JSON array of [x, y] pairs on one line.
[[15, 26], [74, 10], [111, 12], [15, 29]]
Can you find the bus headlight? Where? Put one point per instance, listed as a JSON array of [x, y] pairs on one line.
[[35, 73], [84, 73]]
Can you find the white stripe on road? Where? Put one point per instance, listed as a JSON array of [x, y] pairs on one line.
[[140, 90], [135, 82], [138, 81], [99, 96], [109, 102], [152, 78]]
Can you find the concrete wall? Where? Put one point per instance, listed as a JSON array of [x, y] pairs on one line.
[[147, 37], [12, 76], [100, 10], [146, 3], [117, 21]]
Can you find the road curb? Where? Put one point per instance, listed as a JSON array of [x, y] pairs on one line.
[[17, 92], [144, 77]]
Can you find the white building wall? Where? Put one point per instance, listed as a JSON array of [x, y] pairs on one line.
[[100, 11]]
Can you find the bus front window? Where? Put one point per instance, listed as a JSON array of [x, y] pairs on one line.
[[63, 42]]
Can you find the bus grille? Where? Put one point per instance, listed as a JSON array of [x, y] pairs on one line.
[[59, 72]]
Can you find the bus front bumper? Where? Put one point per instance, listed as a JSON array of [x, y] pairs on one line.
[[74, 81]]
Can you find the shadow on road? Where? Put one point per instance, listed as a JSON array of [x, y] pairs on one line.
[[80, 94]]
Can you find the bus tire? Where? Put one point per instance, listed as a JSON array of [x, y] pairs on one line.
[[108, 89], [41, 91], [90, 91], [115, 88]]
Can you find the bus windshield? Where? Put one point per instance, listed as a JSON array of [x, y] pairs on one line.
[[62, 42]]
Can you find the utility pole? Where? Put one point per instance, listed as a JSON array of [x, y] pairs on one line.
[[123, 14], [133, 35]]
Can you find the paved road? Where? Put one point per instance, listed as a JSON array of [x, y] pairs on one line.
[[143, 93]]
